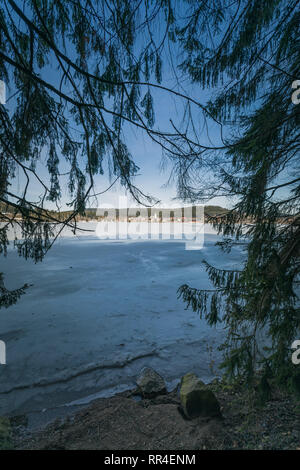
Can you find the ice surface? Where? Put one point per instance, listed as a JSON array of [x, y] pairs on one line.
[[98, 311]]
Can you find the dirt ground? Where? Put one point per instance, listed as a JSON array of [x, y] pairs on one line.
[[122, 422]]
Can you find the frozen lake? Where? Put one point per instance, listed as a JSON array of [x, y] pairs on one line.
[[98, 311]]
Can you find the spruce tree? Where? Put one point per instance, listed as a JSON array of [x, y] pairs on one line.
[[249, 52]]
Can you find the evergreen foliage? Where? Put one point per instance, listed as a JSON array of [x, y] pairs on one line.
[[252, 66]]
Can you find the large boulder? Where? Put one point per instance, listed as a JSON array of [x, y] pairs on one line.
[[150, 383], [196, 399]]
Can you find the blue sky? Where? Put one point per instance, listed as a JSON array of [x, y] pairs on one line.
[[151, 178]]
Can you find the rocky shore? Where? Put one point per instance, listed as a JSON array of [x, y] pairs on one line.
[[193, 416]]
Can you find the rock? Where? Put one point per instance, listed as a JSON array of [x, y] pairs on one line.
[[196, 399], [150, 383]]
